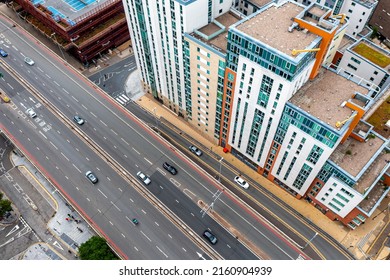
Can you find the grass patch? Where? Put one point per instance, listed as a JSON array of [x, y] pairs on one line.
[[372, 55]]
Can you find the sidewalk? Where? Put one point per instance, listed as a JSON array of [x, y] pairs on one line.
[[66, 224], [357, 241]]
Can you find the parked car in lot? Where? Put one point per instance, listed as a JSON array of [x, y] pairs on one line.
[[170, 168], [241, 182], [210, 237], [78, 120], [91, 177], [145, 179], [29, 61], [195, 150], [31, 113], [3, 53]]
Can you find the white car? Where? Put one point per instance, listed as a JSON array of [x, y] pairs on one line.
[[243, 184], [31, 113], [91, 177], [145, 179], [29, 61]]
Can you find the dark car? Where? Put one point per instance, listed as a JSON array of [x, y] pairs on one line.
[[91, 177], [195, 150], [170, 168], [210, 237], [78, 120], [3, 53]]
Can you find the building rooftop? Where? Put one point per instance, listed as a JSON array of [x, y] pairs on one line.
[[368, 3], [270, 26], [323, 101], [72, 10], [353, 156], [373, 53], [346, 42], [260, 3], [369, 177], [219, 40]]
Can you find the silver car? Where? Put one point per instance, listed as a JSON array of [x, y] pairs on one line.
[[29, 61], [145, 179], [195, 150]]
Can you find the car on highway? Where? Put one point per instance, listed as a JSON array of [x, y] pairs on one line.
[[31, 113], [145, 179], [91, 177], [29, 61], [195, 150], [78, 120], [170, 168], [210, 237], [3, 53], [241, 182]]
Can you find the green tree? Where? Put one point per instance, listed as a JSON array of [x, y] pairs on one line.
[[96, 248], [5, 206]]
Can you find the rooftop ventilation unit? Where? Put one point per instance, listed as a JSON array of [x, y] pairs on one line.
[[291, 28]]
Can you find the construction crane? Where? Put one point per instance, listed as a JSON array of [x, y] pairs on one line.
[[340, 124], [342, 17], [295, 52]]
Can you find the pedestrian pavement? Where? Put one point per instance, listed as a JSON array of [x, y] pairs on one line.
[[66, 224]]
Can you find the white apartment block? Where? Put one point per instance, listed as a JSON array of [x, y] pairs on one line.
[[367, 63], [157, 30]]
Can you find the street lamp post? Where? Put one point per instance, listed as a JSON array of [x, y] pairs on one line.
[[220, 168], [58, 44], [308, 242]]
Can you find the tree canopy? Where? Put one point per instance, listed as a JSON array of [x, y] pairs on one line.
[[5, 206], [96, 248]]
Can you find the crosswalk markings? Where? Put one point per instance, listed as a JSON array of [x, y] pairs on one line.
[[123, 99]]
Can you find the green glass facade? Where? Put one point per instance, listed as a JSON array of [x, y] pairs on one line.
[[329, 170], [240, 44], [310, 125]]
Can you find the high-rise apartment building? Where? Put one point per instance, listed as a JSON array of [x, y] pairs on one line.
[[264, 87], [158, 29], [268, 74]]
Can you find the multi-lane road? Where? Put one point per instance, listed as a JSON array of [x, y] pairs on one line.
[[116, 145]]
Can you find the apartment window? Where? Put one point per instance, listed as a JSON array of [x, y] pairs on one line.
[[376, 73], [355, 60], [353, 4], [352, 67], [349, 11], [371, 79]]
